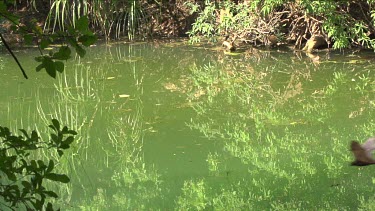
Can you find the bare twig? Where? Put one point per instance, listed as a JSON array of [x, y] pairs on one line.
[[14, 56]]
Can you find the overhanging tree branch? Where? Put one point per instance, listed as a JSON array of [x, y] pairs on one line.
[[14, 56]]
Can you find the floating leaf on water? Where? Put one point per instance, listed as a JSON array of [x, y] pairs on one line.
[[171, 87], [181, 42], [138, 43], [199, 93], [124, 95], [231, 53], [132, 59], [124, 110], [217, 48], [354, 61]]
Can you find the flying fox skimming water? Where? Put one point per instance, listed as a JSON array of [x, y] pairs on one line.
[[362, 153]]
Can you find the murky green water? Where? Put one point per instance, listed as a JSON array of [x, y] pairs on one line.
[[176, 127]]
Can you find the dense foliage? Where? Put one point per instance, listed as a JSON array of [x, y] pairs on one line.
[[133, 19], [341, 23], [21, 175]]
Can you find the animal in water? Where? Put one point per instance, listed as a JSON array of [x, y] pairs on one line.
[[363, 152], [229, 45]]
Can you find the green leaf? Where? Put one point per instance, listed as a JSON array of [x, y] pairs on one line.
[[11, 175], [64, 130], [72, 42], [28, 39], [49, 207], [68, 140], [24, 164], [38, 204], [39, 67], [25, 133], [50, 167], [51, 194], [71, 31], [57, 177], [39, 58], [49, 65], [73, 132], [60, 152], [33, 166], [82, 24], [81, 52], [34, 135], [87, 40], [53, 128], [64, 146], [41, 164], [55, 138], [26, 184], [59, 66], [63, 53], [56, 124], [44, 43]]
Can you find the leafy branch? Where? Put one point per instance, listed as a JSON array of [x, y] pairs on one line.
[[22, 178], [77, 37], [14, 56]]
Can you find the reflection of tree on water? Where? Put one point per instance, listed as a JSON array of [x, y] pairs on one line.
[[282, 120], [106, 164], [128, 182]]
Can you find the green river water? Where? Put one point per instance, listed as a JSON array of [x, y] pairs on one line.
[[172, 126]]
